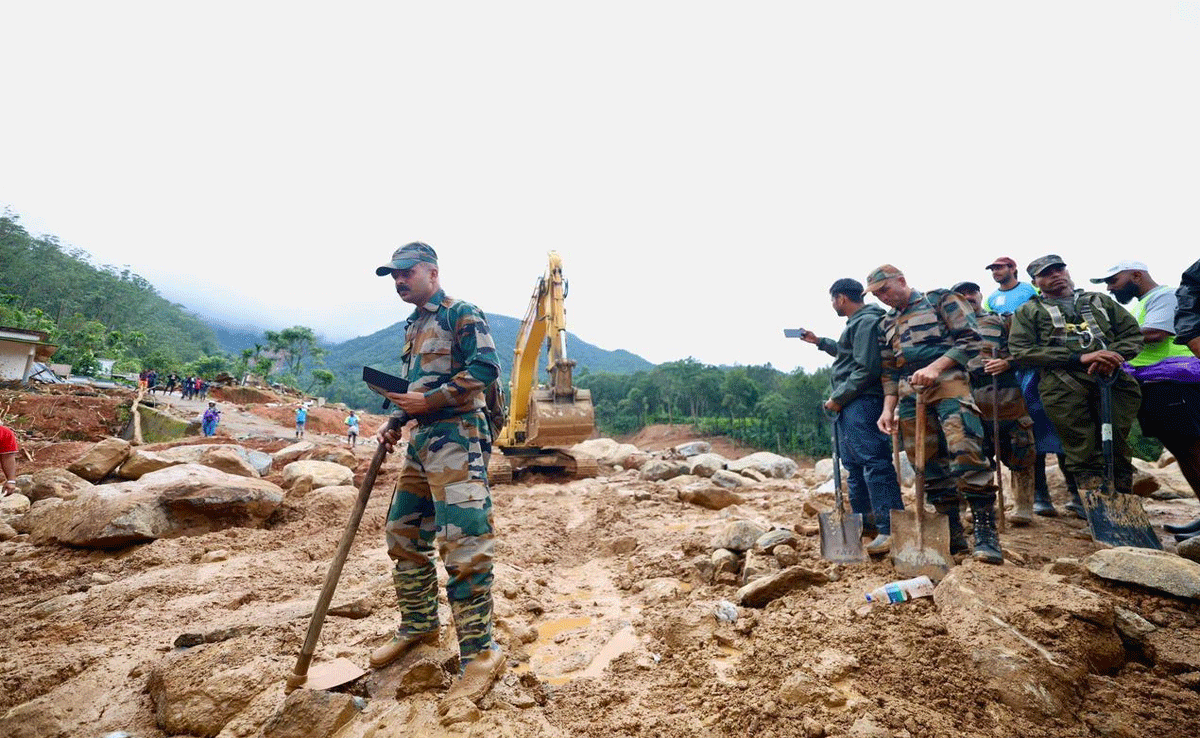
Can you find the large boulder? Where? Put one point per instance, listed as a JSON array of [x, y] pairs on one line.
[[228, 460], [101, 459], [1032, 636], [1159, 570], [610, 453], [705, 465], [294, 452], [692, 448], [218, 455], [182, 500], [334, 455], [773, 465], [142, 461], [659, 470], [709, 496], [198, 691], [308, 713], [728, 479], [738, 535], [323, 473], [56, 483]]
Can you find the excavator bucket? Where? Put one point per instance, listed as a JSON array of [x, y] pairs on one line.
[[560, 421]]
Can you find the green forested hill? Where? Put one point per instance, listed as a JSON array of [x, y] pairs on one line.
[[92, 311], [381, 350]]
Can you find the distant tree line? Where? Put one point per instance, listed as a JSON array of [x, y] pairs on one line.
[[758, 405]]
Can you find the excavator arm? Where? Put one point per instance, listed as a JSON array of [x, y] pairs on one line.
[[558, 414]]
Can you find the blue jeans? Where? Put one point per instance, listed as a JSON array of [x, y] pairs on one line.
[[867, 455]]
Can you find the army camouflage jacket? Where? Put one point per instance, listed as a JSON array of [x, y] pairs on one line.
[[1035, 342], [993, 344], [931, 326], [449, 355]]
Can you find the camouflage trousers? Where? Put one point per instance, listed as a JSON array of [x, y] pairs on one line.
[[1018, 449], [1072, 401], [443, 496], [954, 461]]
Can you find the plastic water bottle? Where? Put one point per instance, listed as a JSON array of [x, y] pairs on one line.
[[902, 591]]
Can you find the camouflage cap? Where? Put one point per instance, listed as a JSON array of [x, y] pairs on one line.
[[881, 274], [1042, 263], [408, 255]]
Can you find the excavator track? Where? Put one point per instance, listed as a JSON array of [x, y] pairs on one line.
[[499, 469], [585, 467]]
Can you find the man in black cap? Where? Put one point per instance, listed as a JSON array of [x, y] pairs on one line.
[[449, 359], [1074, 338]]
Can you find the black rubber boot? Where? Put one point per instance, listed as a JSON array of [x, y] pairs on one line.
[[987, 542], [1075, 506], [958, 539], [1192, 527], [1042, 504]]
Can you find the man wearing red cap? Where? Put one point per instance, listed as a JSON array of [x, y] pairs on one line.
[[1012, 292]]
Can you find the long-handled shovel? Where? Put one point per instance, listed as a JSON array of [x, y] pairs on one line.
[[920, 545], [996, 452], [896, 449], [341, 670], [1116, 519], [841, 534]]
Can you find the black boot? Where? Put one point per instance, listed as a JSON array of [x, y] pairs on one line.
[[1192, 527], [1075, 506], [1042, 504], [958, 539], [987, 542]]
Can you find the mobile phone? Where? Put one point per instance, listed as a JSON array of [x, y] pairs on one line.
[[794, 332]]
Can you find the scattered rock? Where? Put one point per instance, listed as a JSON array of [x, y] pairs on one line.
[[7, 532], [1144, 483], [198, 691], [294, 452], [659, 470], [1033, 636], [762, 591], [622, 545], [219, 554], [692, 448], [776, 537], [738, 535], [728, 479], [56, 483], [460, 711], [335, 455], [1131, 625], [1159, 570], [772, 465], [1189, 549], [101, 459], [311, 714], [323, 473], [756, 565], [704, 465], [422, 676], [708, 496], [14, 505], [786, 556]]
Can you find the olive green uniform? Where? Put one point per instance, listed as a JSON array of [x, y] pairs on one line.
[[1051, 335]]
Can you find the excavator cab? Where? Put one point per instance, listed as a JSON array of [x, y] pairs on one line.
[[544, 420]]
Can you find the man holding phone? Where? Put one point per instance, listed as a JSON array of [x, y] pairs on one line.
[[857, 399]]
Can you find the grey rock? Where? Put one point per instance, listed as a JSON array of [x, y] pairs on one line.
[[323, 473], [724, 560], [1131, 625], [777, 537], [693, 448], [1189, 549], [772, 465], [786, 556], [729, 480], [7, 532], [758, 593], [56, 483], [707, 496], [738, 535], [659, 470], [101, 459], [1159, 570], [704, 465]]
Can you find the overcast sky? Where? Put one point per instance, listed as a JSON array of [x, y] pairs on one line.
[[706, 170]]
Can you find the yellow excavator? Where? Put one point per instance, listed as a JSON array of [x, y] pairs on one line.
[[544, 420]]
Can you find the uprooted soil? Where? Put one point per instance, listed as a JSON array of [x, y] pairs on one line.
[[607, 621]]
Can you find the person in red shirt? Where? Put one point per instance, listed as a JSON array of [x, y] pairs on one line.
[[8, 459]]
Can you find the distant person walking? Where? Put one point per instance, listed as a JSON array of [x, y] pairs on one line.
[[352, 429], [8, 459], [301, 419], [212, 416]]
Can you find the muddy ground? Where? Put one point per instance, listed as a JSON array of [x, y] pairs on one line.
[[606, 618]]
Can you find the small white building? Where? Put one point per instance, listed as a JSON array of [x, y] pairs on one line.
[[19, 349]]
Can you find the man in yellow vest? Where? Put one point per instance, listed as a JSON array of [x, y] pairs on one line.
[[1168, 373]]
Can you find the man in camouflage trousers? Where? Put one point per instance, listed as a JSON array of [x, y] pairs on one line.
[[1074, 338], [449, 360], [1017, 450], [926, 341]]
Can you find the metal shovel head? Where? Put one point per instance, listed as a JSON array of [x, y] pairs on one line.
[[1118, 519], [330, 674], [921, 544], [841, 537]]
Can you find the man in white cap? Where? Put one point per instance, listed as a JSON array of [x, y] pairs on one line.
[[1168, 373]]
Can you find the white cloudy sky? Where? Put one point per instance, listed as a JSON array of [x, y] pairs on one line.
[[705, 169]]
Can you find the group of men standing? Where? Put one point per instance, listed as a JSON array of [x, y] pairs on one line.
[[1035, 364]]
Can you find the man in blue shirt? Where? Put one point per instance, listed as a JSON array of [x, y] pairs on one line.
[[1012, 294]]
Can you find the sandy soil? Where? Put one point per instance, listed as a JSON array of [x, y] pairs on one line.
[[607, 621]]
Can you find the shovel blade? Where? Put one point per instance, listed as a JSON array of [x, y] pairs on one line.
[[841, 538], [920, 545], [331, 674], [1118, 519]]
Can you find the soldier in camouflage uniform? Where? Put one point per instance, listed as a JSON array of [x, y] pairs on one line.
[[1018, 450], [1073, 338], [926, 341], [449, 360]]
